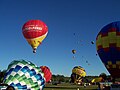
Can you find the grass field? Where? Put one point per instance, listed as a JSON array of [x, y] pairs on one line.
[[70, 87]]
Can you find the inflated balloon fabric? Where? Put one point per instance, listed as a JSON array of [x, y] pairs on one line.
[[24, 75]]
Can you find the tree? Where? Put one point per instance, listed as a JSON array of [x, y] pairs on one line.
[[104, 76], [2, 74]]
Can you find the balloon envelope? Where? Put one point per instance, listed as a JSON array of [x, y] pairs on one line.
[[34, 32], [79, 71], [108, 47], [24, 75], [77, 74], [47, 73], [73, 51]]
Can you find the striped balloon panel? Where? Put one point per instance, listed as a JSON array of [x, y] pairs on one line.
[[24, 75]]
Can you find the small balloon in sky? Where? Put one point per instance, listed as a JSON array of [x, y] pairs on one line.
[[92, 42], [73, 51]]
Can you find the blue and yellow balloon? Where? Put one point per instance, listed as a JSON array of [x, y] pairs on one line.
[[108, 47]]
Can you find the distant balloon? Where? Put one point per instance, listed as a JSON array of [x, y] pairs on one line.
[[77, 74], [47, 73], [73, 51], [86, 61], [24, 75], [108, 47], [34, 32], [73, 33], [92, 42]]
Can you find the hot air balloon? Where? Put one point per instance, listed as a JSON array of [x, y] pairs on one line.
[[47, 73], [24, 75], [77, 74], [73, 51], [92, 42], [34, 32], [108, 47]]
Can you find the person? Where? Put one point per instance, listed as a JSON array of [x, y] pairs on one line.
[[99, 86], [84, 85]]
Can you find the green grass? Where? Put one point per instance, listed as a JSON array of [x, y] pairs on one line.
[[70, 87]]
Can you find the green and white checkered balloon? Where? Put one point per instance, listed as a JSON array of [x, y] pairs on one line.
[[24, 75]]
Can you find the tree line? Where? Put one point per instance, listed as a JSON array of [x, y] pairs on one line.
[[61, 78]]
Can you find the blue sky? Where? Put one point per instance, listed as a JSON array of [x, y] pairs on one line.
[[72, 24]]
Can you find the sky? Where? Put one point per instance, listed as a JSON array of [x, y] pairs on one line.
[[72, 24]]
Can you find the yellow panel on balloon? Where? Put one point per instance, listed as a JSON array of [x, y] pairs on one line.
[[118, 41], [36, 41], [109, 63], [112, 37], [98, 42], [105, 42], [118, 62], [114, 65]]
